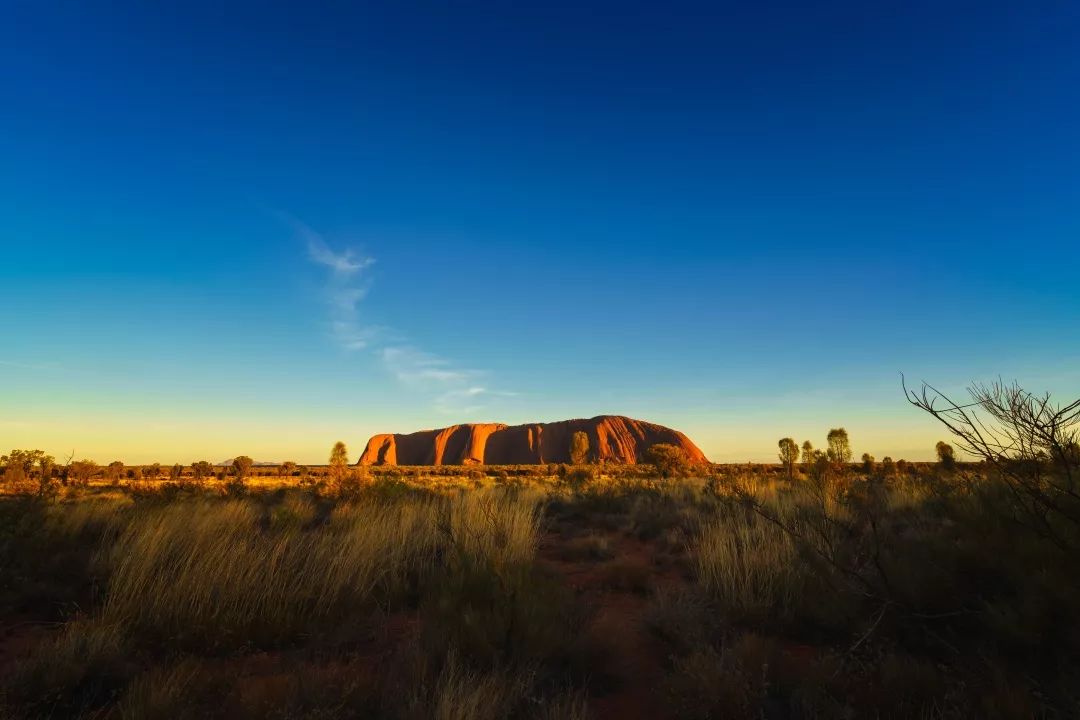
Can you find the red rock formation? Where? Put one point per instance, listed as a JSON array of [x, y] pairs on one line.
[[612, 438]]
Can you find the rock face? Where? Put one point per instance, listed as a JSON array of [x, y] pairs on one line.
[[612, 438]]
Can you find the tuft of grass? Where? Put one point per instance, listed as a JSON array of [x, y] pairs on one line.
[[500, 527], [680, 617], [48, 549], [748, 567], [204, 575], [452, 689], [163, 693], [79, 670]]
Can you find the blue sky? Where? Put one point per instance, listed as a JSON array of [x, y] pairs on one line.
[[262, 229]]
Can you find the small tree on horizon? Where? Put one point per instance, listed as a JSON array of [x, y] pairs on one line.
[[201, 469], [669, 460], [114, 471], [946, 455], [82, 471], [287, 468], [339, 462], [839, 452], [808, 454], [242, 466], [579, 448], [868, 463], [789, 455]]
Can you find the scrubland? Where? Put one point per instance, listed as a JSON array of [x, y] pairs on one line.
[[734, 592]]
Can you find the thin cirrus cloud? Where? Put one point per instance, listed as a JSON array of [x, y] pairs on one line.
[[453, 389]]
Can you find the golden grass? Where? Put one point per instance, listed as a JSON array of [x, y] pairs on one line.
[[180, 584], [206, 572], [501, 527], [747, 565]]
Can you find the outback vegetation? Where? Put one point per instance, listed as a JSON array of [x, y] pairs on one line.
[[818, 587]]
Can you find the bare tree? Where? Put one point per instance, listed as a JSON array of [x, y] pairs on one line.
[[1027, 439]]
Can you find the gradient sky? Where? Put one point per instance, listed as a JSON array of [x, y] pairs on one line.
[[263, 229]]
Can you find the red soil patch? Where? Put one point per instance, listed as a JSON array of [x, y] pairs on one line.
[[632, 653]]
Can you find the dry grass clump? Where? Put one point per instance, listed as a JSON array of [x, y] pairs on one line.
[[212, 575], [748, 566], [267, 687], [749, 676], [681, 618], [460, 693], [454, 690], [76, 670], [497, 526], [488, 600], [47, 552], [164, 693]]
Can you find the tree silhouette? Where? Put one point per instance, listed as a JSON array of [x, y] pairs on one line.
[[201, 470], [839, 452], [789, 455], [946, 455], [339, 462], [1026, 439]]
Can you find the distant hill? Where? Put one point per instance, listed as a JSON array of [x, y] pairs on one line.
[[612, 438]]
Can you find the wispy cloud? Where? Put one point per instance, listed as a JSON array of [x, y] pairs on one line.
[[347, 262], [346, 286], [468, 400], [420, 369], [453, 389]]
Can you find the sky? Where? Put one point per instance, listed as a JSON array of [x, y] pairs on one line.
[[262, 228]]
